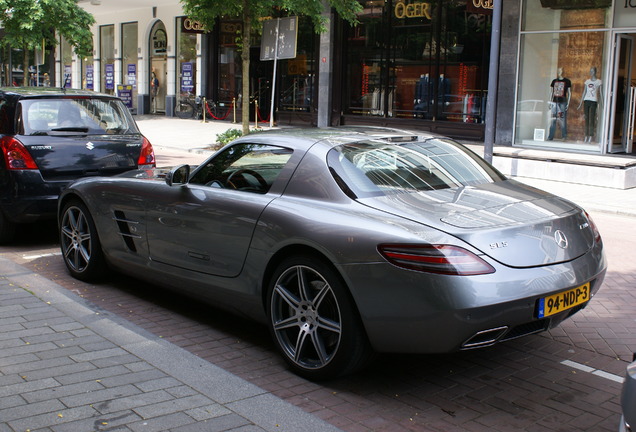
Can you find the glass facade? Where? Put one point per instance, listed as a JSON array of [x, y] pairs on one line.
[[562, 74], [129, 47], [427, 60], [187, 62], [298, 76], [107, 56], [229, 63]]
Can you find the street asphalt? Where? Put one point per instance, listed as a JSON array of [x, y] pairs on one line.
[[66, 365]]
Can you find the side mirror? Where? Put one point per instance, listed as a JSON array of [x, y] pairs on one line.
[[178, 175]]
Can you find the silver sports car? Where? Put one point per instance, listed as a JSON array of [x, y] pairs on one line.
[[345, 242]]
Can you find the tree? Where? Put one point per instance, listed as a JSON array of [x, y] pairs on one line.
[[251, 12], [30, 23]]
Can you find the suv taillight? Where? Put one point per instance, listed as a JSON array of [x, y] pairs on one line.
[[147, 156], [16, 155]]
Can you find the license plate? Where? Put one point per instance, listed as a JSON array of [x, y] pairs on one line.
[[563, 301]]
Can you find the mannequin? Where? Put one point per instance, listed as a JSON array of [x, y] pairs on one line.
[[590, 100], [422, 91], [560, 93]]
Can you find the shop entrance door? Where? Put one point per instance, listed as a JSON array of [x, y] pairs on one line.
[[623, 100]]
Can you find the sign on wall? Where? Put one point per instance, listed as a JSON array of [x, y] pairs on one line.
[[131, 75], [109, 76], [625, 13], [187, 78]]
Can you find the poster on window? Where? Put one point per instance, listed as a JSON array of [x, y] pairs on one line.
[[67, 76], [131, 75], [110, 76], [187, 78], [125, 92], [89, 77]]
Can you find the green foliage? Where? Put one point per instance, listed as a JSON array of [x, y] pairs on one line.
[[229, 136], [29, 22]]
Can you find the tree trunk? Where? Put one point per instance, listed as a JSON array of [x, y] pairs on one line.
[[245, 56]]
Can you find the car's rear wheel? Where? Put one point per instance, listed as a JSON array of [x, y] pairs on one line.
[[7, 229], [313, 320], [80, 244]]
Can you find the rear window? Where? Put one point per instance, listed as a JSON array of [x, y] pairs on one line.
[[376, 168], [90, 116]]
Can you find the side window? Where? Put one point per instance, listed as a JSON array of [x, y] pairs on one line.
[[245, 167]]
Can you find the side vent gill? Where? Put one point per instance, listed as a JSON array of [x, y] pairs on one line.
[[125, 231]]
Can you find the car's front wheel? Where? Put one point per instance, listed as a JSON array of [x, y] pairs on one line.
[[313, 320], [80, 244]]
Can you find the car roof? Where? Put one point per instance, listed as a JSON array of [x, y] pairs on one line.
[[36, 92]]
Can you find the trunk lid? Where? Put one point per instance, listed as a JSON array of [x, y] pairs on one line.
[[512, 223], [71, 155]]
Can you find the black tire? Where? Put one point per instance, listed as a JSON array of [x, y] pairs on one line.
[[7, 230], [80, 244], [184, 109], [313, 320]]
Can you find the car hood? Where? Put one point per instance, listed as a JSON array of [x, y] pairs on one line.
[[514, 224], [78, 155]]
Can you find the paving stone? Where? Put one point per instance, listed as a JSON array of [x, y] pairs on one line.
[[173, 406], [52, 419], [62, 391], [31, 410], [134, 401], [163, 423]]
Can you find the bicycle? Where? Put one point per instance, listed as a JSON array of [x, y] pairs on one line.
[[189, 107]]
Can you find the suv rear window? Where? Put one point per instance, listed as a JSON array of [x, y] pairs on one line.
[[86, 115]]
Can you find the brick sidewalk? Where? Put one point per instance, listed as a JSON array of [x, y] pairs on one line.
[[66, 366]]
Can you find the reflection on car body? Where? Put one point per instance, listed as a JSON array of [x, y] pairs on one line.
[[344, 242]]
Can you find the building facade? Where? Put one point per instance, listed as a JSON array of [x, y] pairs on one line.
[[565, 69]]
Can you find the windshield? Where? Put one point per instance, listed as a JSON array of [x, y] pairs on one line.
[[91, 116], [374, 168]]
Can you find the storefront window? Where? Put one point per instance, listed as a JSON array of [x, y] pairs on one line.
[[129, 43], [419, 60], [107, 55], [187, 63], [565, 14], [298, 75], [88, 73], [230, 70], [562, 80]]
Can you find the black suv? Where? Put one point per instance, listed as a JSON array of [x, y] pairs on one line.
[[50, 137]]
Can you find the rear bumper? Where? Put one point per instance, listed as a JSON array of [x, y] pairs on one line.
[[26, 197], [423, 313]]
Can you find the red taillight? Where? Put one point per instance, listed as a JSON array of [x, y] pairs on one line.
[[440, 259], [16, 155], [147, 156]]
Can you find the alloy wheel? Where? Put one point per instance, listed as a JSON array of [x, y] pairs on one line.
[[306, 317], [76, 239]]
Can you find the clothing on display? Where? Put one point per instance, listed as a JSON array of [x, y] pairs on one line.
[[559, 103], [590, 100]]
